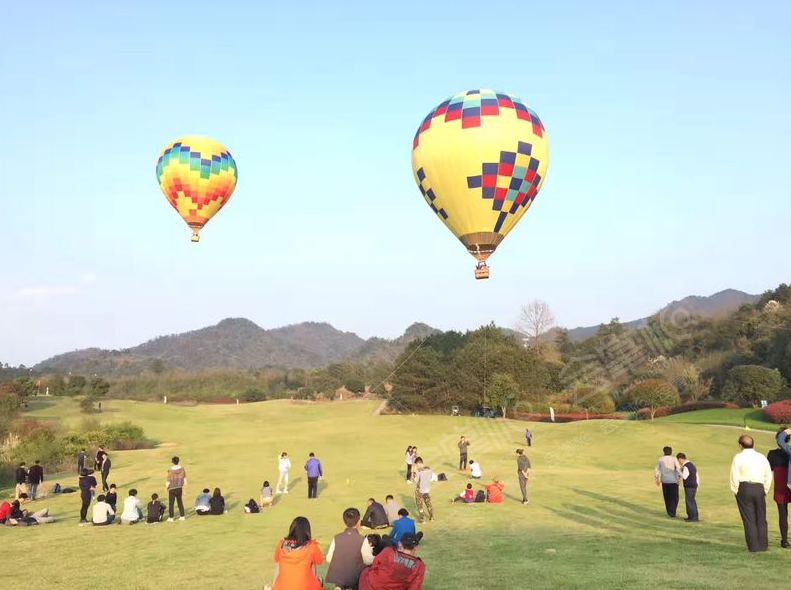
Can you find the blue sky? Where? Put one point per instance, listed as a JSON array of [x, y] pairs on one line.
[[668, 126]]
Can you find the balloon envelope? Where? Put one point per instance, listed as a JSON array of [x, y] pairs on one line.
[[197, 176], [479, 159]]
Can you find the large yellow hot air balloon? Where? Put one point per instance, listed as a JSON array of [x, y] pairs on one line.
[[479, 159], [198, 176]]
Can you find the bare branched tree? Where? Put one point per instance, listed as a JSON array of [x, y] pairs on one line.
[[535, 318]]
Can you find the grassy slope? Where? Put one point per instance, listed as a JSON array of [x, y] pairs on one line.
[[724, 417], [594, 504]]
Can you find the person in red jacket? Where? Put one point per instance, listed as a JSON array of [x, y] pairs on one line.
[[393, 569], [495, 491]]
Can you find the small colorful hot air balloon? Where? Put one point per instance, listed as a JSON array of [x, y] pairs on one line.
[[479, 159], [197, 176]]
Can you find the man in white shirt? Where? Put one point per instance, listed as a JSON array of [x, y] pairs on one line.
[[133, 509], [668, 474], [751, 480], [103, 513], [475, 470], [283, 465]]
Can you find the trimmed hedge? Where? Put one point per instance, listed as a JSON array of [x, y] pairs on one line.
[[564, 417], [778, 412], [644, 413]]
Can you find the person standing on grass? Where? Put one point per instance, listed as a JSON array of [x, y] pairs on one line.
[[314, 473], [528, 437], [97, 462], [283, 465], [689, 473], [751, 479], [410, 460], [779, 460], [20, 479], [35, 477], [87, 484], [177, 479], [667, 473], [106, 464], [523, 473], [463, 445], [423, 478], [81, 462]]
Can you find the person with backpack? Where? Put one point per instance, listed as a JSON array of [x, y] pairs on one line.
[[689, 475], [345, 554], [35, 477], [155, 510], [297, 557], [87, 484], [177, 479]]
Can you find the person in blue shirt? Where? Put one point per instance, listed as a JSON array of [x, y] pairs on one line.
[[403, 526], [313, 469]]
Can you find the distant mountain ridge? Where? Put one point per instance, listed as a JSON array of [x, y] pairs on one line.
[[236, 343], [712, 306], [239, 344]]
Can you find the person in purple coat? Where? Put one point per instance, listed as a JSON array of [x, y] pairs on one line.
[[313, 469]]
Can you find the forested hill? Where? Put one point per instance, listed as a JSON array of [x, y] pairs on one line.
[[713, 306], [236, 343]]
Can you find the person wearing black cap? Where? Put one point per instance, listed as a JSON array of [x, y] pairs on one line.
[[396, 569]]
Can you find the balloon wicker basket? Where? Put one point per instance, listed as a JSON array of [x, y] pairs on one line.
[[195, 237], [482, 271]]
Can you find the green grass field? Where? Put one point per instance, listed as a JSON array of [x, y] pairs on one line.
[[595, 519], [723, 417]]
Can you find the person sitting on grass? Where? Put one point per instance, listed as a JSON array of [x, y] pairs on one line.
[[345, 554], [5, 512], [391, 508], [202, 505], [475, 470], [111, 497], [251, 507], [396, 569], [373, 546], [267, 497], [16, 516], [495, 491], [375, 516], [156, 510], [297, 557], [133, 509], [401, 527], [467, 496], [103, 513], [217, 503]]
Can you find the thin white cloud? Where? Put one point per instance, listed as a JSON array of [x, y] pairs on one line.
[[88, 278], [40, 294]]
